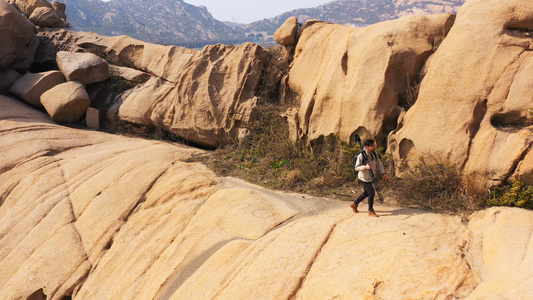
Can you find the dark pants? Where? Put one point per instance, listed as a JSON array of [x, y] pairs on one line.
[[370, 193]]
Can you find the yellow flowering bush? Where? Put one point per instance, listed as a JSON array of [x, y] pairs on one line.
[[515, 194]]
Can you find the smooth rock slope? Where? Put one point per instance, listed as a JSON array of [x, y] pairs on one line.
[[97, 216]]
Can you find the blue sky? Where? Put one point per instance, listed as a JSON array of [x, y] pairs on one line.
[[248, 11]]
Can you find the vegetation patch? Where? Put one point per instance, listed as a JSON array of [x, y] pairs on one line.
[[268, 157], [516, 193], [439, 187]]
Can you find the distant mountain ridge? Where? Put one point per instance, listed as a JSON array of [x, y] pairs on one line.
[[359, 12], [157, 21], [176, 22]]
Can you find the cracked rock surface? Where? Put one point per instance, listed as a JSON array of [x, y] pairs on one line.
[[97, 216]]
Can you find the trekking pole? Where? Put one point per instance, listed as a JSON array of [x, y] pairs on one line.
[[365, 162]]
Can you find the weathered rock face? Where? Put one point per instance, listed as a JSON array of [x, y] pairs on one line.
[[203, 96], [97, 216], [476, 96], [19, 41], [347, 80], [211, 100]]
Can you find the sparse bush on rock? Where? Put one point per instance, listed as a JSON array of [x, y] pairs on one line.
[[515, 193], [439, 186]]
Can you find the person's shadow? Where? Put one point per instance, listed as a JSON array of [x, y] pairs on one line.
[[402, 211]]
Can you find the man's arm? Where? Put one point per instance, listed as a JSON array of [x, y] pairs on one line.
[[382, 169], [359, 166]]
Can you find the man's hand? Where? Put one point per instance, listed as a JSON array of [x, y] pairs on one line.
[[385, 177], [368, 167]]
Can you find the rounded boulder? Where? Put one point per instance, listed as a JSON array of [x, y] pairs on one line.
[[66, 102], [86, 68], [286, 33]]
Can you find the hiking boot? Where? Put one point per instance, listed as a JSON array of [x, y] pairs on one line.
[[354, 207], [372, 214]]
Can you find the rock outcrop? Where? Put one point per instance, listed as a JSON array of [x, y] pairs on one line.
[[42, 12], [19, 41], [347, 80], [476, 97], [90, 215], [206, 96]]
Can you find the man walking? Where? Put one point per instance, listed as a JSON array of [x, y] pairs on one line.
[[374, 163]]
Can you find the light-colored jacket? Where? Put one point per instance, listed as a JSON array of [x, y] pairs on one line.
[[375, 163]]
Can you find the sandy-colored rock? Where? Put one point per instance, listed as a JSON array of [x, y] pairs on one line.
[[495, 232], [476, 97], [47, 17], [205, 96], [7, 78], [129, 73], [66, 102], [28, 6], [90, 215], [60, 9], [19, 41], [76, 203], [83, 67], [347, 80], [92, 118], [31, 86], [167, 62], [286, 33], [212, 100]]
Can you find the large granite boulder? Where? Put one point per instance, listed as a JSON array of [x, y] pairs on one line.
[[31, 86], [18, 39], [346, 80], [476, 97], [28, 6], [86, 68], [46, 16], [286, 33], [66, 102], [89, 215]]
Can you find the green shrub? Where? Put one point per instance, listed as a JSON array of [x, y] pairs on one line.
[[514, 194]]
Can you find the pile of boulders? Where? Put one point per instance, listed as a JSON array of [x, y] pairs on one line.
[[62, 93], [41, 12]]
